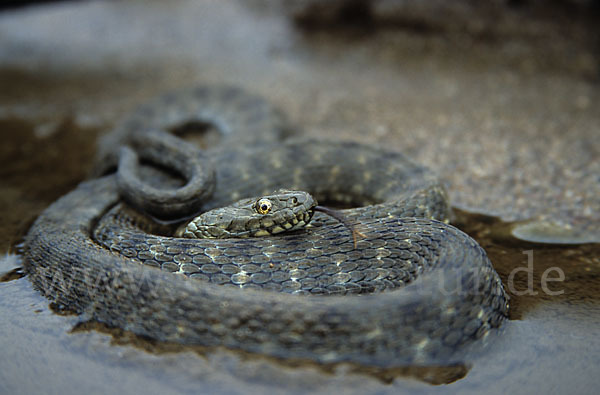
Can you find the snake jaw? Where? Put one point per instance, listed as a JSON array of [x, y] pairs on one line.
[[299, 221], [280, 212]]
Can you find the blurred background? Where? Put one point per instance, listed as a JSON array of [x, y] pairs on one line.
[[499, 97]]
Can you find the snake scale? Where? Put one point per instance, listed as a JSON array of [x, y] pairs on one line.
[[411, 289]]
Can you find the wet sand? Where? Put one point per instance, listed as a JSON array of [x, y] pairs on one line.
[[509, 120]]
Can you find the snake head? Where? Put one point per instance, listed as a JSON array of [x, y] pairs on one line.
[[279, 212]]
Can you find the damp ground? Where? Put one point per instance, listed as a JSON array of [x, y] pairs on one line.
[[507, 113]]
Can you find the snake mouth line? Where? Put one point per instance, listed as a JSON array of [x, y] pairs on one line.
[[299, 221]]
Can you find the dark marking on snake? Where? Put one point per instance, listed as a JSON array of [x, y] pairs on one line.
[[411, 290]]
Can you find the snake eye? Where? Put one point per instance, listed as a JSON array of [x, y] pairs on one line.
[[263, 206]]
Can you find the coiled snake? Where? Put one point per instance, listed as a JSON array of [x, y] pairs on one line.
[[411, 289]]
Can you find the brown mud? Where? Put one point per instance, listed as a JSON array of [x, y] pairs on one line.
[[502, 101]]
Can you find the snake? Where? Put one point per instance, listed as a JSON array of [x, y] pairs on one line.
[[132, 248]]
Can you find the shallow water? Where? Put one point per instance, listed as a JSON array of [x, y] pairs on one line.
[[549, 344], [514, 136]]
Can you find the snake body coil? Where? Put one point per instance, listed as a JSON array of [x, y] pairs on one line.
[[412, 290]]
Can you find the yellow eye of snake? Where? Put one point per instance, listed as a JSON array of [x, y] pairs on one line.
[[263, 206]]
